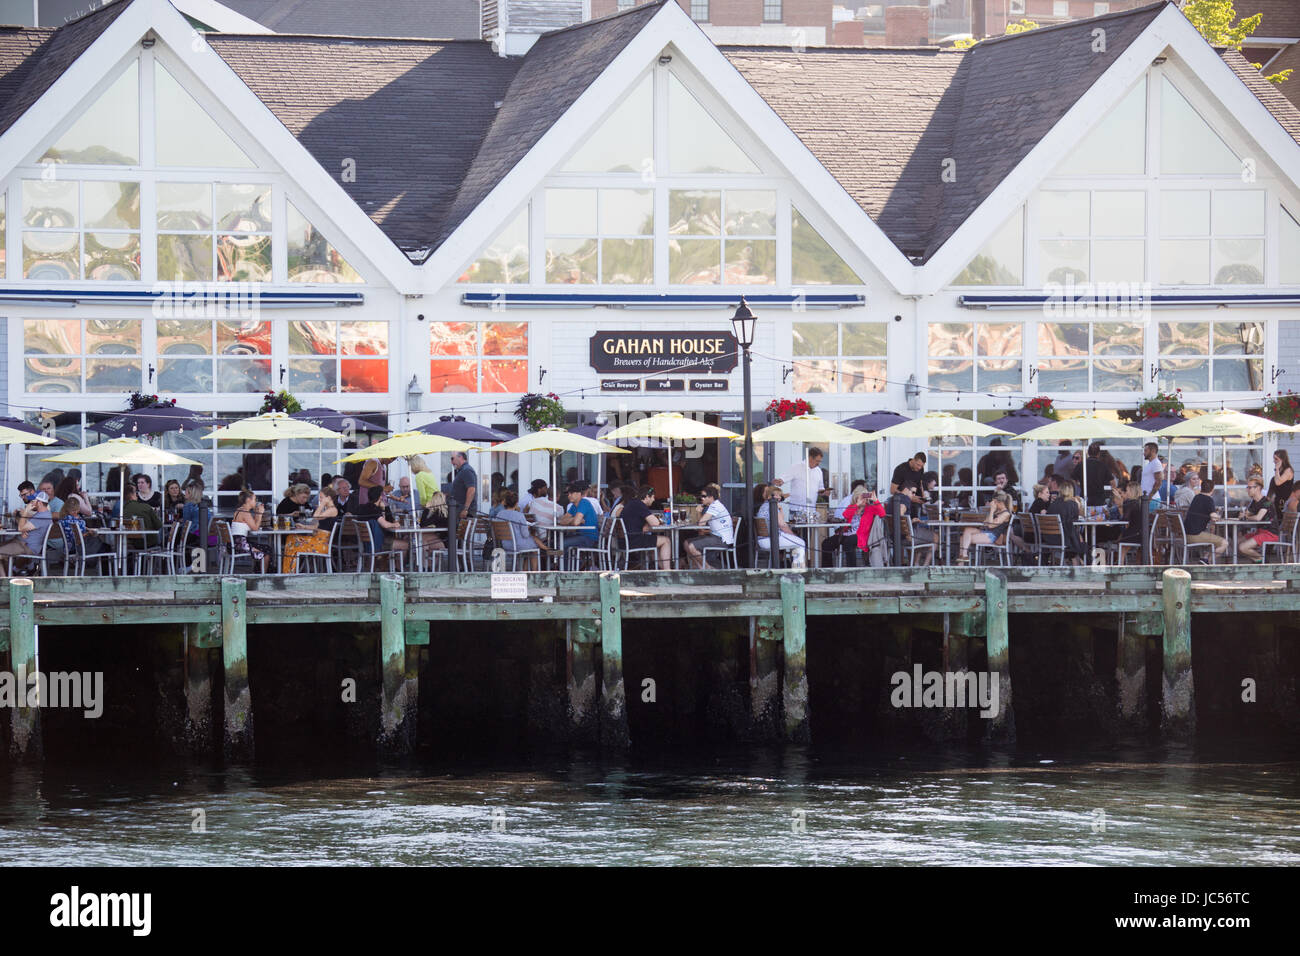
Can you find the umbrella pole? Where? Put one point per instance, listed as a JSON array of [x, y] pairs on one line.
[[121, 494]]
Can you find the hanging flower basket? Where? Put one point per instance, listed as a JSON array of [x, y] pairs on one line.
[[1283, 407], [139, 400], [784, 409], [1164, 403], [280, 401], [1042, 405], [538, 411]]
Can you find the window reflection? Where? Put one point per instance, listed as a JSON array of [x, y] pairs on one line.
[[108, 132], [186, 135], [478, 367], [312, 258]]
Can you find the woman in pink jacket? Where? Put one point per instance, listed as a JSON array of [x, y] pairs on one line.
[[861, 512]]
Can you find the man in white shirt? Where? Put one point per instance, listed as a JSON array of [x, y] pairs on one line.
[[806, 476], [721, 532], [543, 509], [526, 497], [1152, 471]]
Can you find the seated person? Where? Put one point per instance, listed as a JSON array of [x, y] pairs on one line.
[[542, 509], [34, 522], [996, 525], [861, 512], [144, 513], [325, 517], [521, 537], [721, 533], [638, 516], [376, 513], [294, 501], [247, 519], [1260, 509], [788, 540], [581, 514]]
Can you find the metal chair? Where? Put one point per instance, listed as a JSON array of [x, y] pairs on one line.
[[165, 554], [324, 558], [1286, 536], [227, 556], [1051, 538], [601, 551], [41, 557], [622, 550], [80, 559], [911, 547], [369, 549], [1001, 551], [728, 557], [502, 531], [1176, 535], [763, 534]]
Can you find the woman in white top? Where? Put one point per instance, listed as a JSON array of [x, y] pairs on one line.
[[789, 541], [247, 518]]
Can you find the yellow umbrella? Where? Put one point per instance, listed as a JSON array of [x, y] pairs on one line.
[[271, 426], [809, 428], [404, 444], [123, 452], [1084, 428], [940, 425], [669, 427], [1223, 424], [14, 436], [553, 439]]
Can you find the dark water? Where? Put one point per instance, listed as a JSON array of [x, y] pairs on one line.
[[1161, 807]]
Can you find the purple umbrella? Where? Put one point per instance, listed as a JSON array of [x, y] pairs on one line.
[[875, 421], [456, 427], [595, 431], [17, 424], [155, 421], [1163, 420], [338, 421], [1021, 421]]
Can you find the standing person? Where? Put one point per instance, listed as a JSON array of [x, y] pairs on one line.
[[1064, 464], [907, 477], [1153, 472], [805, 483], [426, 482], [1283, 480], [997, 459], [1199, 515], [638, 518], [464, 484], [1260, 509], [374, 473], [1097, 476], [721, 533]]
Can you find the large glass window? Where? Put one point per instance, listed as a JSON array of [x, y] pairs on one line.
[[201, 355], [338, 356], [505, 259], [839, 356], [1288, 251], [812, 260], [312, 257], [722, 236], [624, 143], [976, 356], [478, 357], [69, 356], [186, 135], [1188, 146], [1002, 260], [1212, 237], [600, 235], [81, 230], [1089, 356], [1212, 356], [1117, 145], [108, 132], [696, 143], [221, 230], [1095, 236]]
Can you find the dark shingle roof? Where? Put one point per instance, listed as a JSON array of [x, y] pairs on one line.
[[557, 70], [46, 55], [410, 113], [442, 19], [1283, 110]]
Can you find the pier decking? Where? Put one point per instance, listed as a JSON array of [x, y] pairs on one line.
[[589, 609]]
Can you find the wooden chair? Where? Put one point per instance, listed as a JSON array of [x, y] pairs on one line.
[[1051, 538], [369, 548], [1001, 551], [502, 531], [1175, 534], [763, 533]]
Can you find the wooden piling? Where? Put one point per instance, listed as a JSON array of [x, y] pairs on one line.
[[583, 679], [400, 689], [766, 642], [1131, 667], [795, 685], [997, 633], [613, 699], [24, 722], [200, 639], [1178, 699], [238, 735]]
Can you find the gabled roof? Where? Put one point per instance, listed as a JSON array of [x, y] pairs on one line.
[[443, 19], [1283, 110], [411, 114], [32, 59]]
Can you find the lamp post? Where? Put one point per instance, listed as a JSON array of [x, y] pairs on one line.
[[743, 324]]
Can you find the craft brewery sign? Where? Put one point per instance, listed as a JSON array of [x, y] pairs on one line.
[[636, 353]]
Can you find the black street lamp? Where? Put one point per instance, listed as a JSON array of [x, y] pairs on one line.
[[743, 324]]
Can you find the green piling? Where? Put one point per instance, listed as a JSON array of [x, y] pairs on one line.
[[24, 722], [795, 688], [1178, 701], [766, 643], [613, 699], [399, 698], [238, 733], [200, 639], [997, 633]]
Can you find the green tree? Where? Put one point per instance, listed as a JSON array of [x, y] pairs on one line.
[[1213, 19], [1019, 27]]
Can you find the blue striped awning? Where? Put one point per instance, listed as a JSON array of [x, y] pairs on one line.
[[656, 300], [216, 293], [1155, 300]]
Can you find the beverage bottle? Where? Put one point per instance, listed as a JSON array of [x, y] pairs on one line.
[[668, 515]]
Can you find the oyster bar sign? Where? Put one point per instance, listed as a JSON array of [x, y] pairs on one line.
[[636, 353]]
